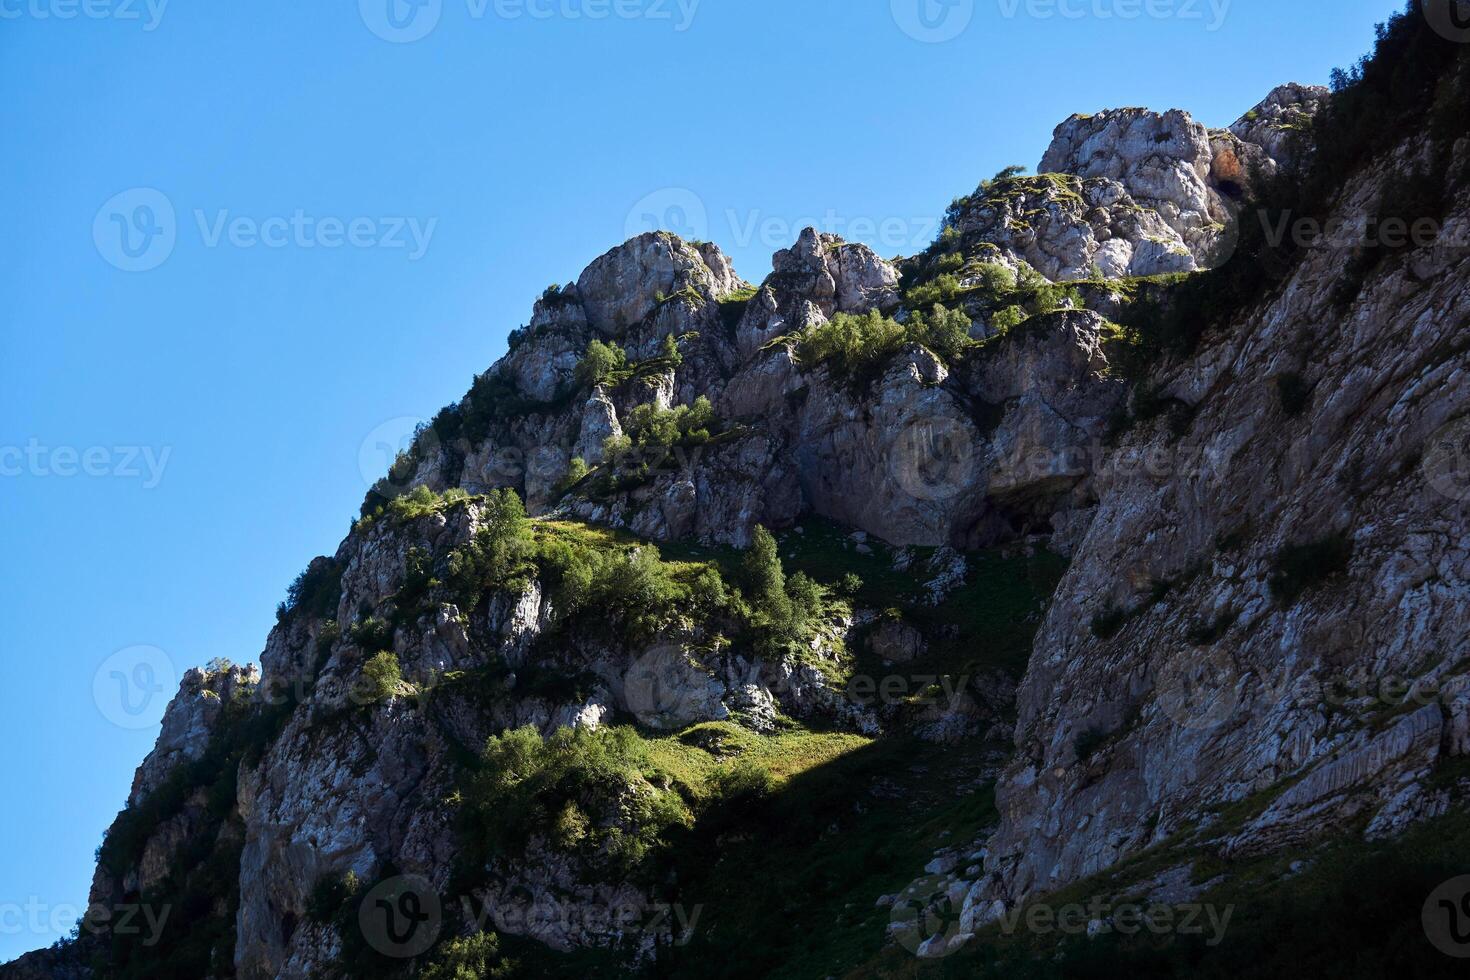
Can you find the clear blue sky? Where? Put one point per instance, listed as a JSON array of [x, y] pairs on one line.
[[532, 144]]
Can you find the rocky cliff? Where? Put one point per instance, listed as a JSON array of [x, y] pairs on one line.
[[1142, 504]]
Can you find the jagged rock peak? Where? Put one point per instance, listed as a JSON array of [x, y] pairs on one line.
[[623, 286], [1287, 111], [189, 721]]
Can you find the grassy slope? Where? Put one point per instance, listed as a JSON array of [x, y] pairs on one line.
[[786, 886]]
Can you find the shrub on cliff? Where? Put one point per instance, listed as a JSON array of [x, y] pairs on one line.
[[599, 363], [316, 591], [779, 610], [476, 957], [651, 433], [588, 783], [944, 332], [855, 349], [381, 678], [497, 555]]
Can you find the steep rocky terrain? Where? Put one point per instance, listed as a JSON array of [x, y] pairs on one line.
[[1138, 506]]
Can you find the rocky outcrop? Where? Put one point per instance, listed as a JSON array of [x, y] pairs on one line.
[[1281, 121], [358, 778], [816, 278], [1228, 677], [1162, 160], [1184, 668], [1068, 228], [190, 721]]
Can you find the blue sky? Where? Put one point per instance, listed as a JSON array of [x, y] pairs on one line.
[[363, 206]]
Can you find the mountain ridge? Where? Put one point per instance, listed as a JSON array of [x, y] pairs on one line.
[[932, 438]]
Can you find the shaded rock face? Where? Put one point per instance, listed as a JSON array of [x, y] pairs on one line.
[[1192, 682], [358, 782], [189, 722], [1218, 686]]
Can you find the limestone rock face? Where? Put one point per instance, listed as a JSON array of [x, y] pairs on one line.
[[1179, 673], [1279, 117], [1219, 685], [189, 721], [816, 278], [1162, 160], [624, 286], [1068, 228], [358, 779]]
